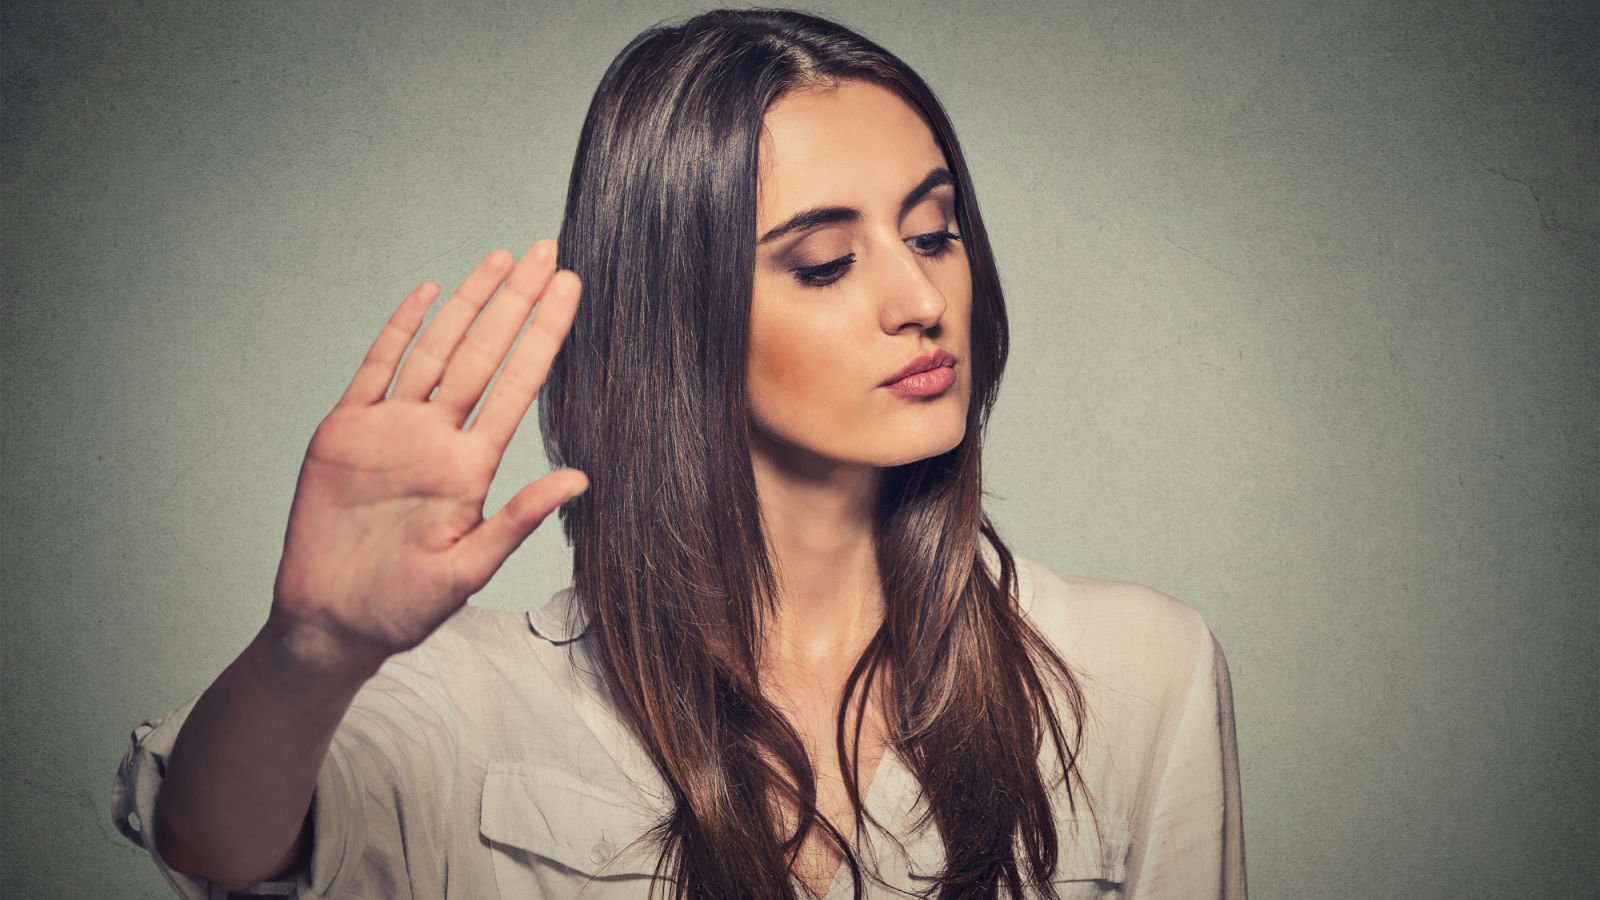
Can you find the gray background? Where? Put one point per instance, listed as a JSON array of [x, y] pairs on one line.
[[1305, 298]]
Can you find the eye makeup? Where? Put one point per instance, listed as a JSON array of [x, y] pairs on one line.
[[936, 194], [934, 245]]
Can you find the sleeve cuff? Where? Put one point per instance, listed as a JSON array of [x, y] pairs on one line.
[[338, 825]]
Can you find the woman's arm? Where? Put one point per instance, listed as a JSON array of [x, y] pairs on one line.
[[386, 541], [1196, 840], [254, 741]]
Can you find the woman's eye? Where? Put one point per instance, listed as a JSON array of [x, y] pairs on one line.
[[825, 274], [934, 243]]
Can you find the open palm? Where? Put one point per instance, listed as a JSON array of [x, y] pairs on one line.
[[386, 537]]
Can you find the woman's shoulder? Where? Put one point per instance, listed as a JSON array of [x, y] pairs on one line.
[[1080, 603], [1159, 755], [475, 652], [1121, 631], [483, 630]]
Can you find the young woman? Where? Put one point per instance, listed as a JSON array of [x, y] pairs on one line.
[[796, 658]]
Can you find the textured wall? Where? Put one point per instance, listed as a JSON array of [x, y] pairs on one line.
[[1305, 297]]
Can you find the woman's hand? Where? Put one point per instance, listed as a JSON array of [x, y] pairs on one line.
[[386, 537]]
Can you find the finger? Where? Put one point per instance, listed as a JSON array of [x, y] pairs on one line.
[[377, 369], [529, 365], [484, 348], [484, 549], [419, 374]]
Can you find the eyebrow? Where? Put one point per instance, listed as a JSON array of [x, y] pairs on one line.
[[833, 215]]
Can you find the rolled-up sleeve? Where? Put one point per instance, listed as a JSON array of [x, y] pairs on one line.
[[1196, 841], [378, 804]]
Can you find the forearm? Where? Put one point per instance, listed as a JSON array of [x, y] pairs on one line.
[[233, 802]]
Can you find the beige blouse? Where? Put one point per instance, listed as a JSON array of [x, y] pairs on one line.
[[487, 763]]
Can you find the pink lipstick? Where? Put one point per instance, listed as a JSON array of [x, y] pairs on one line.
[[926, 376]]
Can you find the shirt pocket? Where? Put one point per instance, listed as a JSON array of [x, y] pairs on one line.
[[1090, 865], [552, 833], [1094, 854]]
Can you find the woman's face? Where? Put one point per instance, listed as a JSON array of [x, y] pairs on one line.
[[857, 275]]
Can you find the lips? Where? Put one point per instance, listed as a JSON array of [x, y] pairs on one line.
[[923, 363]]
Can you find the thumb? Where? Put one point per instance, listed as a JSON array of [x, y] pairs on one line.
[[485, 549]]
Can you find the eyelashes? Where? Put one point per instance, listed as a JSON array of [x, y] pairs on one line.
[[933, 245], [825, 274]]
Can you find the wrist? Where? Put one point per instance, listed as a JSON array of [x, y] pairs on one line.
[[303, 658]]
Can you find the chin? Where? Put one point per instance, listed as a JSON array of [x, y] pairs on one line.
[[860, 444], [925, 447]]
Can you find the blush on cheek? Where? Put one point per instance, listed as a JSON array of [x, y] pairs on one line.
[[783, 372]]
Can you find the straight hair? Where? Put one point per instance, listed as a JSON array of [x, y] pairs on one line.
[[670, 561]]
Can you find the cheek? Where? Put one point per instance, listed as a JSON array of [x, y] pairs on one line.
[[781, 363], [802, 366], [957, 287], [777, 370]]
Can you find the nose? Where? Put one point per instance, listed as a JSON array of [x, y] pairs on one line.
[[910, 298]]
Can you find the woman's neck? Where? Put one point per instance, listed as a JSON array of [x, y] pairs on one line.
[[818, 521]]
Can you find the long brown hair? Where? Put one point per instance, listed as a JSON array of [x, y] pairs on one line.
[[670, 563]]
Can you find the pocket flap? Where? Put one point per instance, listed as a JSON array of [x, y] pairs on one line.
[[1089, 851], [580, 825]]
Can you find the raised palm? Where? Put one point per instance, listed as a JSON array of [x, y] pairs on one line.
[[386, 537]]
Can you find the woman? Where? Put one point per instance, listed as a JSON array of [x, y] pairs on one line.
[[796, 659]]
